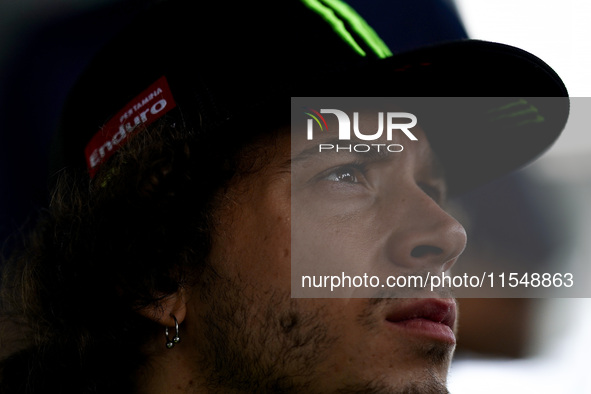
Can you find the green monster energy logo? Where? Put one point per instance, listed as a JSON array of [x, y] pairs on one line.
[[520, 112], [335, 12]]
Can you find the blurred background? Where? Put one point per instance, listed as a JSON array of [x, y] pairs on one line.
[[538, 218]]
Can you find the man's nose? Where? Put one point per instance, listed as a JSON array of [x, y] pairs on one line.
[[426, 237]]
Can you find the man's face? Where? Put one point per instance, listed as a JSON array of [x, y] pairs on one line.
[[382, 213]]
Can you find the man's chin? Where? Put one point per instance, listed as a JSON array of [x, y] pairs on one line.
[[427, 386]]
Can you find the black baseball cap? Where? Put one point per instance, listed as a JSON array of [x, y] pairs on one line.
[[210, 64]]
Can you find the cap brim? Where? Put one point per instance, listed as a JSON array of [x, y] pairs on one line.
[[474, 143]]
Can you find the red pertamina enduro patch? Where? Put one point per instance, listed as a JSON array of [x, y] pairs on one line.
[[145, 108]]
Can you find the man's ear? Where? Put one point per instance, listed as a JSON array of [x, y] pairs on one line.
[[162, 312]]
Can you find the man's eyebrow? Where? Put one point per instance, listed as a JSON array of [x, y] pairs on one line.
[[373, 154], [436, 168]]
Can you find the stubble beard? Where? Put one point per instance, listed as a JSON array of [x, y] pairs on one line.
[[265, 342]]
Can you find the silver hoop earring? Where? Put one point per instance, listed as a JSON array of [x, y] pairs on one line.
[[176, 339]]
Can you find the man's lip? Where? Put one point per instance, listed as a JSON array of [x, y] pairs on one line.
[[429, 317]]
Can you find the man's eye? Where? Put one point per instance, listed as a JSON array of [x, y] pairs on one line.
[[347, 174]]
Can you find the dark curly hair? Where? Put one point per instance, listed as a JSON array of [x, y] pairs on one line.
[[106, 247]]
